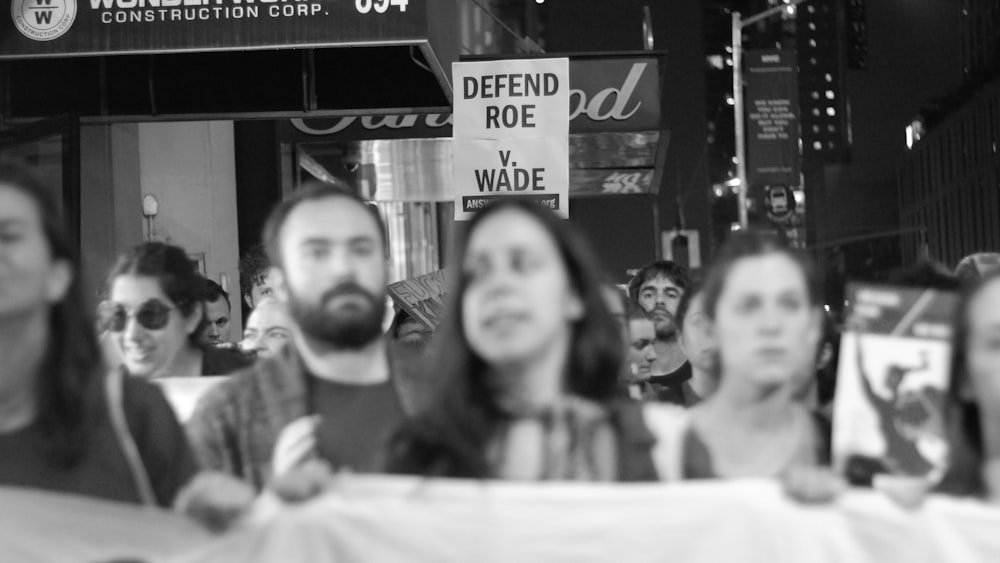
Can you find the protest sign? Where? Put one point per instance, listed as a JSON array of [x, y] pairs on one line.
[[892, 381], [422, 297], [511, 133]]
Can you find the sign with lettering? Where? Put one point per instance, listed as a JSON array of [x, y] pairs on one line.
[[422, 297], [92, 27], [892, 382], [606, 94], [511, 133], [772, 115]]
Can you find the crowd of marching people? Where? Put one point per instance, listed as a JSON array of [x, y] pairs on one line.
[[540, 369]]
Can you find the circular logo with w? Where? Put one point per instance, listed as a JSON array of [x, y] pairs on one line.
[[43, 20]]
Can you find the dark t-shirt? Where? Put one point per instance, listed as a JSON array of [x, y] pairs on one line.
[[103, 471], [356, 421]]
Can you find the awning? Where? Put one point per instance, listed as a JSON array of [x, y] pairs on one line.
[[177, 59]]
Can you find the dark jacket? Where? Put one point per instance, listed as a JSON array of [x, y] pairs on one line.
[[223, 361], [236, 424]]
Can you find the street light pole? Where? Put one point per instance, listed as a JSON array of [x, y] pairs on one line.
[[741, 141]]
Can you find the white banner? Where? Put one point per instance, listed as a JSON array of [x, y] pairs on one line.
[[511, 128], [399, 519], [42, 526]]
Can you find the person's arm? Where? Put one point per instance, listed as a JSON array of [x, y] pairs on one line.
[[866, 385], [212, 431]]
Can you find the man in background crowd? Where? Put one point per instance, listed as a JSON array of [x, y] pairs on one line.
[[332, 396], [254, 283], [658, 288], [218, 314]]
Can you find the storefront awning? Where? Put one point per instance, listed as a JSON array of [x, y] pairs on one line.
[[176, 59]]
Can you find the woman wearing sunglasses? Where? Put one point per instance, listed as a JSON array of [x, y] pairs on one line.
[[154, 311], [64, 426]]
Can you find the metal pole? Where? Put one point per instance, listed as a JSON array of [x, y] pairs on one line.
[[741, 149]]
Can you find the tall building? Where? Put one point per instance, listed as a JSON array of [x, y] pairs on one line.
[[950, 178]]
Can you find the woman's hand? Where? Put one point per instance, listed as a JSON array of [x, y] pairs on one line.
[[295, 445], [303, 482], [216, 500], [811, 484]]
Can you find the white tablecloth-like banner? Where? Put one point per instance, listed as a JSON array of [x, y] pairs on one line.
[[37, 526], [386, 520]]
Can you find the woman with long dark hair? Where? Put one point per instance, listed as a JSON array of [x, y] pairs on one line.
[[529, 359], [65, 424], [155, 312], [57, 428]]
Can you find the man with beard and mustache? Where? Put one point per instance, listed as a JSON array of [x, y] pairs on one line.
[[658, 288], [335, 392]]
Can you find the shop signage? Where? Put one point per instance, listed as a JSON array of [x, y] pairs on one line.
[[511, 133], [94, 27], [604, 95], [772, 117]]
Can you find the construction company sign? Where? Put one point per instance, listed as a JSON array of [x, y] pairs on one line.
[[43, 20], [91, 27], [511, 133]]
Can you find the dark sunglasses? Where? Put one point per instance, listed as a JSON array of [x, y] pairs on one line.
[[151, 315]]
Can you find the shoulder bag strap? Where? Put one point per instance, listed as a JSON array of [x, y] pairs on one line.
[[113, 385]]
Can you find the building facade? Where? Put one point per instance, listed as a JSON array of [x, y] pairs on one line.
[[949, 179], [950, 183]]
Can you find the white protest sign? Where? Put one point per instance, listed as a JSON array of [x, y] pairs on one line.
[[522, 167], [511, 131]]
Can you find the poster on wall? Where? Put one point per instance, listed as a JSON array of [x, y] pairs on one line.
[[511, 133]]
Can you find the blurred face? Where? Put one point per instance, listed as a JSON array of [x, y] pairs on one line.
[[30, 280], [641, 353], [268, 329], [982, 350], [148, 330], [334, 272], [765, 327], [659, 297], [518, 303], [218, 329], [695, 337]]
